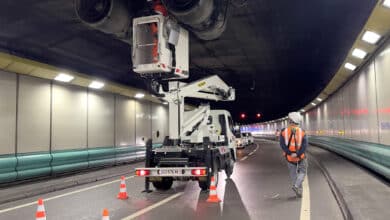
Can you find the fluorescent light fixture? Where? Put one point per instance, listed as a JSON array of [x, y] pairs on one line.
[[96, 85], [64, 77], [319, 99], [313, 104], [165, 103], [359, 53], [371, 37], [386, 3], [302, 110], [139, 95], [350, 66]]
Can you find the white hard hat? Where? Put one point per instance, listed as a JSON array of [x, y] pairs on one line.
[[295, 117]]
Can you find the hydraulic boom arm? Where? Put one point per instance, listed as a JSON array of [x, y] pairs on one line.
[[210, 88]]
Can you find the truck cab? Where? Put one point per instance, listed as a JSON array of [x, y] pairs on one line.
[[223, 122]]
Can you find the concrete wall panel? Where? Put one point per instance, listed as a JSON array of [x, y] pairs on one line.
[[347, 111], [125, 121], [7, 112], [143, 122], [69, 117], [33, 115], [382, 69], [101, 119]]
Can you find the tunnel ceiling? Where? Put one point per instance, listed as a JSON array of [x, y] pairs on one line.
[[278, 54]]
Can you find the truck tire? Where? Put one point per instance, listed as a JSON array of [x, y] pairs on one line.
[[205, 185], [229, 168], [164, 184]]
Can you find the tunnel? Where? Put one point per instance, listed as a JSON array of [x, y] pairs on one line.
[[194, 109]]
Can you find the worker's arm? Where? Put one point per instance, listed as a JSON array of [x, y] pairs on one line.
[[303, 146], [283, 144]]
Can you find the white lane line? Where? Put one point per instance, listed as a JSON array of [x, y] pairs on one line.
[[63, 195], [150, 208], [244, 158], [305, 203], [251, 153]]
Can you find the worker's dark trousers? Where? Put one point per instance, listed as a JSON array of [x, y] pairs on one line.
[[297, 172]]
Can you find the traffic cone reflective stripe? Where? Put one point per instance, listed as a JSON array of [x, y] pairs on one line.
[[213, 196], [122, 190], [106, 215], [40, 214], [212, 181]]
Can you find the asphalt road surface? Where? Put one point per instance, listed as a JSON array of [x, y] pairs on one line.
[[259, 189]]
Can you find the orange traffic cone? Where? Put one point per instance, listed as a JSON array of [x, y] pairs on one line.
[[123, 191], [40, 214], [106, 215], [213, 196]]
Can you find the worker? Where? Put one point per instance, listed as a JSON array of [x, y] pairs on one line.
[[293, 141]]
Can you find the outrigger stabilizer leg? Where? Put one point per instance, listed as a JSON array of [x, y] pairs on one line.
[[149, 147]]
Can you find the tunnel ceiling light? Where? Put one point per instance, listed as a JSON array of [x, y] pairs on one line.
[[313, 104], [371, 37], [359, 53], [139, 95], [319, 99], [96, 85], [64, 77], [386, 3], [350, 66]]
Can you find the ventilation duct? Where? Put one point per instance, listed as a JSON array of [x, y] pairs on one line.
[[109, 16], [205, 18]]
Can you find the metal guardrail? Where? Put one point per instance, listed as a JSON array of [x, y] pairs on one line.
[[39, 164], [375, 157]]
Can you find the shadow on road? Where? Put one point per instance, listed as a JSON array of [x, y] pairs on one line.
[[233, 207]]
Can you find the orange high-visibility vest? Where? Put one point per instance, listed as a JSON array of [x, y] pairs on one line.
[[296, 134]]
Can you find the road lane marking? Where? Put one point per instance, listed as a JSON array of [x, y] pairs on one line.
[[251, 153], [257, 147], [305, 203], [244, 158], [150, 208], [63, 195]]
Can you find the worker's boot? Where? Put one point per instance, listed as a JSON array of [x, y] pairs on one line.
[[298, 191]]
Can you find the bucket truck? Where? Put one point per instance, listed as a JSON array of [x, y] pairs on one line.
[[201, 142]]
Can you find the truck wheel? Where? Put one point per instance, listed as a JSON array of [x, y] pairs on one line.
[[164, 184], [229, 168], [205, 185]]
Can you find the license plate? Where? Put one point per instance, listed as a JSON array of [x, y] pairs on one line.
[[169, 172]]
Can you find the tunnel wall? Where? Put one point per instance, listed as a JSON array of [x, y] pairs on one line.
[[360, 110], [353, 122], [49, 128]]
